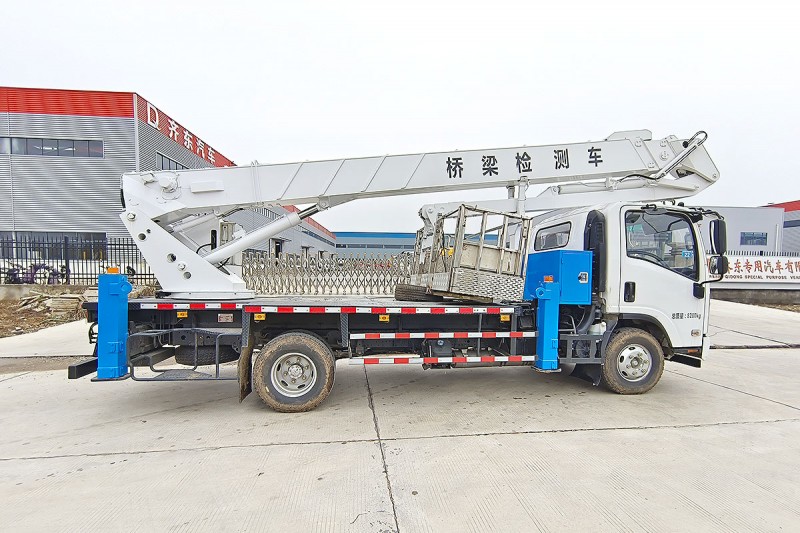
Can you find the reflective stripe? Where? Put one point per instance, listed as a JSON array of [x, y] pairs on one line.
[[383, 310], [441, 360], [335, 310], [196, 306], [445, 335]]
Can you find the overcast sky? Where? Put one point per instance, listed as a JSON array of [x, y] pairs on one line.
[[304, 81]]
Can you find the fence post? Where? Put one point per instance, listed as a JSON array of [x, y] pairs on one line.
[[66, 258]]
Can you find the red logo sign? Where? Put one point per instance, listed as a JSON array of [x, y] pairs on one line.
[[156, 118]]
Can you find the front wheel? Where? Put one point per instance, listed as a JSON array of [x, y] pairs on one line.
[[633, 362], [294, 372]]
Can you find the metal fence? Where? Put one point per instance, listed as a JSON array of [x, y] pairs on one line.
[[303, 274], [70, 261], [79, 261]]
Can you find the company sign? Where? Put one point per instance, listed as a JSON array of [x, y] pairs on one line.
[[156, 118], [763, 269]]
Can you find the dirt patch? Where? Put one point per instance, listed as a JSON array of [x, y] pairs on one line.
[[12, 365], [12, 317], [785, 307]]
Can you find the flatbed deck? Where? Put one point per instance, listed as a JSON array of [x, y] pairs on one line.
[[325, 304]]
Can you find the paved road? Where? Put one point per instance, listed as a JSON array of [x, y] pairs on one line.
[[395, 448], [68, 339], [735, 324]]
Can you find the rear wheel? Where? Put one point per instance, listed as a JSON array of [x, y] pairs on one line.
[[294, 372], [633, 362]]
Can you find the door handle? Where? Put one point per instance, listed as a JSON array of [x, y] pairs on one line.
[[630, 291]]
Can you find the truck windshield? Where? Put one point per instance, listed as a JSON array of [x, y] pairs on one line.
[[664, 239]]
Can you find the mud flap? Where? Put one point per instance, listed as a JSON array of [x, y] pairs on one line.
[[246, 370], [590, 373]]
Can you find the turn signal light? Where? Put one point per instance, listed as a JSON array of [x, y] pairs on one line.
[[548, 279]]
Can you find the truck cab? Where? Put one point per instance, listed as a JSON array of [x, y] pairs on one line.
[[649, 277]]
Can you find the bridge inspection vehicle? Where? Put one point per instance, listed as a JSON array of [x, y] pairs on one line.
[[610, 276]]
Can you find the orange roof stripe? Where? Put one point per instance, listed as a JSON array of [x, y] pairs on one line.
[[66, 102]]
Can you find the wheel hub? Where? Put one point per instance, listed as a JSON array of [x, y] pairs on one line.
[[295, 371], [634, 362], [293, 374]]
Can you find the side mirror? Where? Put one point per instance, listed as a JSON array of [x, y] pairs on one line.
[[718, 265], [719, 238]]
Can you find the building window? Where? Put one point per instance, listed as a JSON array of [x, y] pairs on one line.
[[752, 238], [18, 146], [34, 147], [81, 149], [165, 163], [51, 147], [66, 147], [95, 148]]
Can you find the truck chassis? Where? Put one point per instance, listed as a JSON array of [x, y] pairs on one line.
[[365, 331]]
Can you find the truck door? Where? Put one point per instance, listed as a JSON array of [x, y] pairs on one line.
[[659, 267]]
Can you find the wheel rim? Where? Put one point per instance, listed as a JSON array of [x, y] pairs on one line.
[[634, 362], [293, 374]]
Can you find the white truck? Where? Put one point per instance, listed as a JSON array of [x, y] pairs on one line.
[[611, 278]]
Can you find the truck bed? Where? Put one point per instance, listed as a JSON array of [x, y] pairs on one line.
[[347, 304]]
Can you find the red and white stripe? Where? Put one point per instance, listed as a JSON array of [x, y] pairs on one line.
[[450, 310], [445, 335], [441, 360], [199, 306]]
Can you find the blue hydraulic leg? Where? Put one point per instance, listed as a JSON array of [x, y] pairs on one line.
[[112, 326], [547, 312]]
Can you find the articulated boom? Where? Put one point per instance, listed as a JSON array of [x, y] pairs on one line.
[[170, 213]]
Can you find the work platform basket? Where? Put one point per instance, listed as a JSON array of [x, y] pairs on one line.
[[473, 254]]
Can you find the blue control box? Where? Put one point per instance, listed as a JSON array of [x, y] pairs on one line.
[[571, 269]]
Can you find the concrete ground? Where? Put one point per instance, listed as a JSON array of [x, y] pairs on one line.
[[400, 448], [739, 325], [68, 339]]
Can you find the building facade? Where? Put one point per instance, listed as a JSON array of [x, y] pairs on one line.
[[62, 154], [791, 225], [351, 243], [756, 230]]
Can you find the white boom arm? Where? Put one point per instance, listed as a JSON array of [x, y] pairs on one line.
[[164, 209]]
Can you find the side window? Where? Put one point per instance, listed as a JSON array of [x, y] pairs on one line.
[[552, 237], [664, 239]]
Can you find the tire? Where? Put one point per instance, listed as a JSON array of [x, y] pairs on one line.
[[298, 356], [414, 293], [184, 355], [633, 362]]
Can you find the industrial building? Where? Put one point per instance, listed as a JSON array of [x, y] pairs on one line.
[[791, 225], [62, 154], [351, 243], [756, 230]]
